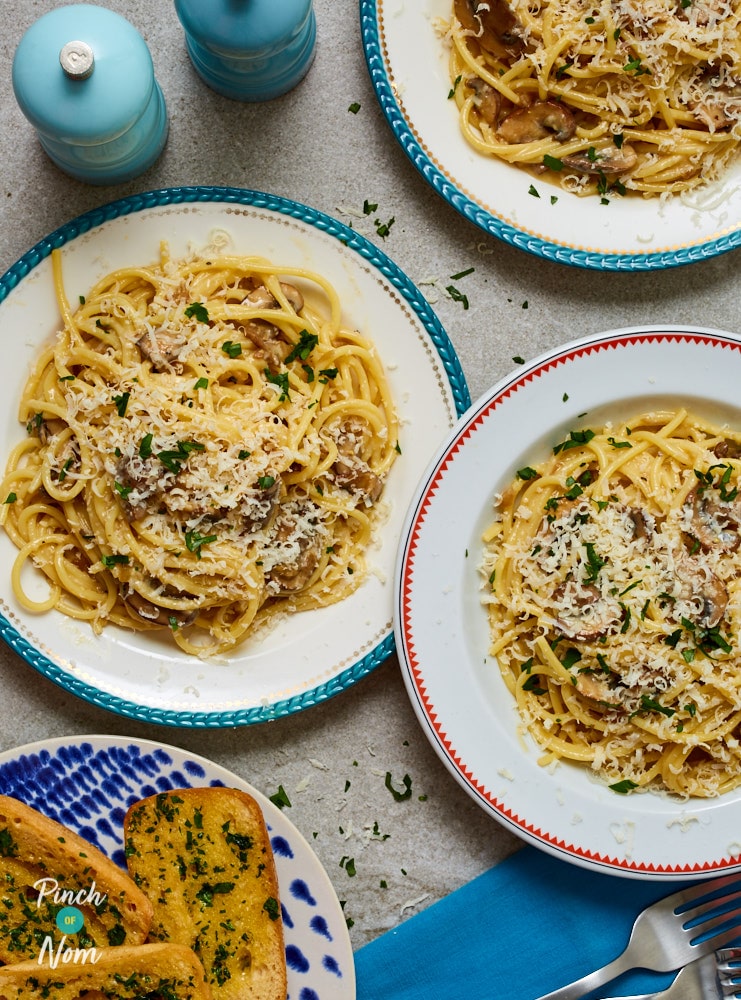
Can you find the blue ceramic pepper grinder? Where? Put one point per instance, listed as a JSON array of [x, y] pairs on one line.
[[249, 50], [83, 76]]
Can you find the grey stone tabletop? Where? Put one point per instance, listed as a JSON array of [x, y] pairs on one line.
[[310, 146]]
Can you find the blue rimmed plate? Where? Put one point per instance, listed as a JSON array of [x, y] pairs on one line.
[[309, 657], [88, 782], [627, 234]]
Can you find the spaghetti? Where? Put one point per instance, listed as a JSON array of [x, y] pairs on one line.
[[613, 589], [611, 96], [207, 445]]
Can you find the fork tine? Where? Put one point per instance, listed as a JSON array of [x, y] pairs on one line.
[[717, 888], [708, 916]]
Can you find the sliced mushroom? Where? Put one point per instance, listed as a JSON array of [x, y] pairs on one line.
[[487, 100], [262, 298], [597, 688], [268, 339], [538, 121], [303, 550], [643, 523], [492, 22], [351, 471], [714, 524], [162, 348], [613, 161], [66, 452], [140, 481], [699, 582], [727, 449], [592, 616], [47, 429]]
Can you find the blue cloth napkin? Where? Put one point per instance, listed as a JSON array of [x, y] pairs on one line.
[[523, 928]]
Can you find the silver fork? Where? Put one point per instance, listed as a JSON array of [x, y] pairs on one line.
[[709, 978], [671, 933]]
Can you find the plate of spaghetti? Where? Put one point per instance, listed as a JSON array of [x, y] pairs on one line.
[[568, 613], [603, 136], [204, 460]]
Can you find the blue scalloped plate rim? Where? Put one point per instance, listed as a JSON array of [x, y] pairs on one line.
[[469, 209], [424, 312], [88, 782]]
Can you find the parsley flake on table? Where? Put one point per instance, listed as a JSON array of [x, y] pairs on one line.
[[280, 798], [354, 108], [384, 228], [457, 296], [399, 796]]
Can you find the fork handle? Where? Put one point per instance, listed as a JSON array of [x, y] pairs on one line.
[[577, 989]]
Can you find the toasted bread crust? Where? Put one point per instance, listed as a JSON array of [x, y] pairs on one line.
[[203, 856], [170, 971], [44, 865]]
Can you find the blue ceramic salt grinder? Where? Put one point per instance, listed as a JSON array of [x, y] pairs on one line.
[[83, 76], [249, 50]]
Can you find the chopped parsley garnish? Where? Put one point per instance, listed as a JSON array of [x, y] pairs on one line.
[[121, 402], [10, 498], [623, 787], [194, 540], [231, 349], [198, 310], [553, 163], [354, 108], [114, 560], [575, 440], [651, 705], [306, 344], [281, 380], [145, 448], [201, 383], [594, 563], [173, 459]]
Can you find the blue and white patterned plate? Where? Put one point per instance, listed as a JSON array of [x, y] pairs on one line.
[[306, 658], [88, 782], [407, 61]]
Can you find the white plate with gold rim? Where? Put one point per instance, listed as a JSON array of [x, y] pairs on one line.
[[442, 630], [308, 657], [628, 234]]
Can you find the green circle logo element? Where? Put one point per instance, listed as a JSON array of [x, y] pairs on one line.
[[70, 920]]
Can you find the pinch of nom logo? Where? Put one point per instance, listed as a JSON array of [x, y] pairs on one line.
[[69, 920]]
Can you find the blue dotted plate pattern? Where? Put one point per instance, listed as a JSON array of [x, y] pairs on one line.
[[88, 783]]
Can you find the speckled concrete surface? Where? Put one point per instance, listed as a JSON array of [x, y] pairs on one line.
[[308, 146]]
